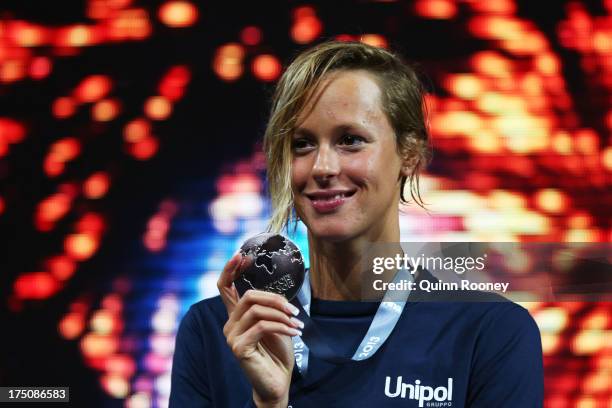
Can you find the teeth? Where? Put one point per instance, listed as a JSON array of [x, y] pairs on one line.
[[337, 196]]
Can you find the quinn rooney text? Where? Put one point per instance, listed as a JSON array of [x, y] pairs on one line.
[[428, 286]]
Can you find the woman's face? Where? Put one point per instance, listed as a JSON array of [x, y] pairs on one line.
[[346, 170]]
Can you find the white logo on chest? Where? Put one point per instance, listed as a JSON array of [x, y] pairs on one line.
[[422, 393]]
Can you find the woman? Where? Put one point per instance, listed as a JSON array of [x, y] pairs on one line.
[[346, 137]]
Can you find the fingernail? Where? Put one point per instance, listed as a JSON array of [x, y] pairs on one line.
[[292, 309], [297, 322], [295, 332]]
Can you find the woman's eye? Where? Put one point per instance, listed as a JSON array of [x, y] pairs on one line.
[[301, 144], [352, 140]]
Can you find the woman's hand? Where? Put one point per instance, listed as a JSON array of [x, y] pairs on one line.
[[259, 331]]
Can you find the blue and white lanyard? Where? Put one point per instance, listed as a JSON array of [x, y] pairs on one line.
[[385, 319]]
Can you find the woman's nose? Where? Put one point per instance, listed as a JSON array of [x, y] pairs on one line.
[[327, 163]]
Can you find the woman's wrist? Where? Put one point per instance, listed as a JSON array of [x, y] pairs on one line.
[[281, 403]]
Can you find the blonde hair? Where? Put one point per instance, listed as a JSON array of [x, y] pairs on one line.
[[402, 102]]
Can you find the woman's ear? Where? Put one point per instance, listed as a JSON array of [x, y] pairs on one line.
[[409, 154], [409, 161], [406, 170]]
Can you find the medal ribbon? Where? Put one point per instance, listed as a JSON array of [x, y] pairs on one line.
[[385, 319]]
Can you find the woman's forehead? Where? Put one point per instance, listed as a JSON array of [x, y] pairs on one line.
[[344, 96]]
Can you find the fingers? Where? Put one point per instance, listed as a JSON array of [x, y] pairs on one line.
[[257, 313], [262, 298], [243, 343], [225, 283]]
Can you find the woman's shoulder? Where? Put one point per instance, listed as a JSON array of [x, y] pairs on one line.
[[206, 312], [213, 304], [510, 318]]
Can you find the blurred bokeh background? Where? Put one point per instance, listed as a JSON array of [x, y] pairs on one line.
[[130, 165]]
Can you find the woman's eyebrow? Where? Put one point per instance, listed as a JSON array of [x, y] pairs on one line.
[[343, 127], [349, 127], [303, 132]]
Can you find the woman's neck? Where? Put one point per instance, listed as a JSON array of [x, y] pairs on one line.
[[338, 270]]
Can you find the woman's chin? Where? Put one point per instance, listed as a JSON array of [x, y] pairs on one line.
[[331, 233]]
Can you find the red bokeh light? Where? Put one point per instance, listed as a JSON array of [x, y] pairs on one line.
[[81, 246], [144, 149], [106, 322], [25, 34], [40, 67], [113, 303], [66, 149], [136, 130], [227, 63], [52, 166], [11, 131], [491, 63], [96, 185], [91, 223], [158, 108], [63, 107], [60, 152], [172, 85], [72, 325], [129, 24], [121, 364], [12, 71], [97, 345], [586, 141], [178, 13], [243, 183], [179, 75], [93, 88], [466, 86], [435, 9], [551, 200], [266, 67], [494, 6], [547, 64], [306, 29], [105, 110], [61, 267], [35, 285], [158, 223], [153, 242], [78, 35], [52, 209], [251, 35]]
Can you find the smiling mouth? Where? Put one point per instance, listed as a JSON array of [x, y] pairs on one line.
[[328, 202], [335, 196], [323, 196]]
